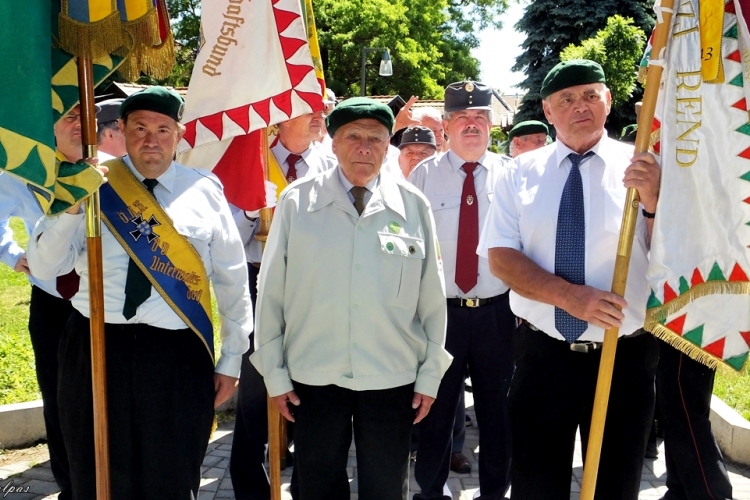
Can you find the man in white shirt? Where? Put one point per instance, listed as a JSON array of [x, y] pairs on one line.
[[351, 313], [296, 157], [168, 231], [552, 235], [459, 185], [527, 136], [417, 144]]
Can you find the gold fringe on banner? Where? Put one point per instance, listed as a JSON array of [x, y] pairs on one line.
[[661, 313], [94, 40], [145, 29], [685, 346], [157, 61]]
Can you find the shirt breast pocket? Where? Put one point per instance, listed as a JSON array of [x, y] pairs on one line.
[[446, 210], [401, 258]]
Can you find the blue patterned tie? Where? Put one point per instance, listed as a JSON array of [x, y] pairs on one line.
[[570, 245]]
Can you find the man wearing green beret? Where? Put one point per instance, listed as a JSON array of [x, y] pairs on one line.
[[168, 231], [552, 235], [351, 313], [527, 136]]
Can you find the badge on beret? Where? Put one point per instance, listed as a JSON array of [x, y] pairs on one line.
[[180, 112], [469, 87]]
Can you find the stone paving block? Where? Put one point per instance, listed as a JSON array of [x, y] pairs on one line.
[[226, 446], [226, 484], [211, 460], [41, 473], [210, 484], [214, 472], [206, 495], [221, 453], [224, 494]]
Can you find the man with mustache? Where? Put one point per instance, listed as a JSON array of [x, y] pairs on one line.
[[295, 157], [459, 185], [168, 231], [552, 235]]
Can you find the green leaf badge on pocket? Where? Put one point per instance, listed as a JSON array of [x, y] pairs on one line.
[[394, 227]]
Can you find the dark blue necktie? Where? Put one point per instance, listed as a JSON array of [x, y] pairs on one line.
[[570, 245]]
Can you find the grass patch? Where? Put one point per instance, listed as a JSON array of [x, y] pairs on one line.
[[17, 372], [734, 389]]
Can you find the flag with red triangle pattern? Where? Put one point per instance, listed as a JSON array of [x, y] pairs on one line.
[[700, 249], [254, 69]]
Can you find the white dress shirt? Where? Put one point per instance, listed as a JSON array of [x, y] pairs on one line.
[[313, 162], [441, 179], [524, 217], [195, 202], [17, 201]]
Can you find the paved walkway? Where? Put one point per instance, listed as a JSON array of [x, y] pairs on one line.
[[28, 481]]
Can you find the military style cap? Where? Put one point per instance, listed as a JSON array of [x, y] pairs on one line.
[[359, 108], [526, 128], [109, 110], [571, 73], [157, 99], [467, 95], [417, 135]]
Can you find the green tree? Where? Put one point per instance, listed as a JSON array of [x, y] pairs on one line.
[[552, 25], [618, 48]]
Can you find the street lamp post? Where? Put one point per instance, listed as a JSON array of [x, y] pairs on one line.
[[386, 66]]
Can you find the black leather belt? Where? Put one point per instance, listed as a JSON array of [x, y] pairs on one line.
[[584, 347], [472, 302]]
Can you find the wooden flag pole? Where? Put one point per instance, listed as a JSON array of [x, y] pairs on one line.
[[275, 419], [96, 285], [622, 262]]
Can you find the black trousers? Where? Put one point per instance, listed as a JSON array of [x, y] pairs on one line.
[[482, 339], [381, 421], [160, 393], [552, 395], [48, 316], [249, 477], [695, 466]]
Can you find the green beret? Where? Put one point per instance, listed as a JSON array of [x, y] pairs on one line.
[[359, 108], [526, 128], [571, 73], [157, 99]]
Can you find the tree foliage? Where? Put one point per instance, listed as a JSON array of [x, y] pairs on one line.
[[618, 48], [552, 25], [430, 42]]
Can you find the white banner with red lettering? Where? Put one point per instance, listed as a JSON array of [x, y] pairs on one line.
[[254, 69]]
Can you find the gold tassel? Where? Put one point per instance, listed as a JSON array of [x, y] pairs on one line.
[[661, 313], [683, 345], [90, 39]]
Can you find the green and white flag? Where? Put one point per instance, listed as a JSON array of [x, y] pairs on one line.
[[39, 85], [700, 250]]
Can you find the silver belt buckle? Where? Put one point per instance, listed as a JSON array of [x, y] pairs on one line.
[[584, 347]]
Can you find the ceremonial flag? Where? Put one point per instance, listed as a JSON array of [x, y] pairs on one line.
[[700, 250], [254, 69], [39, 85]]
